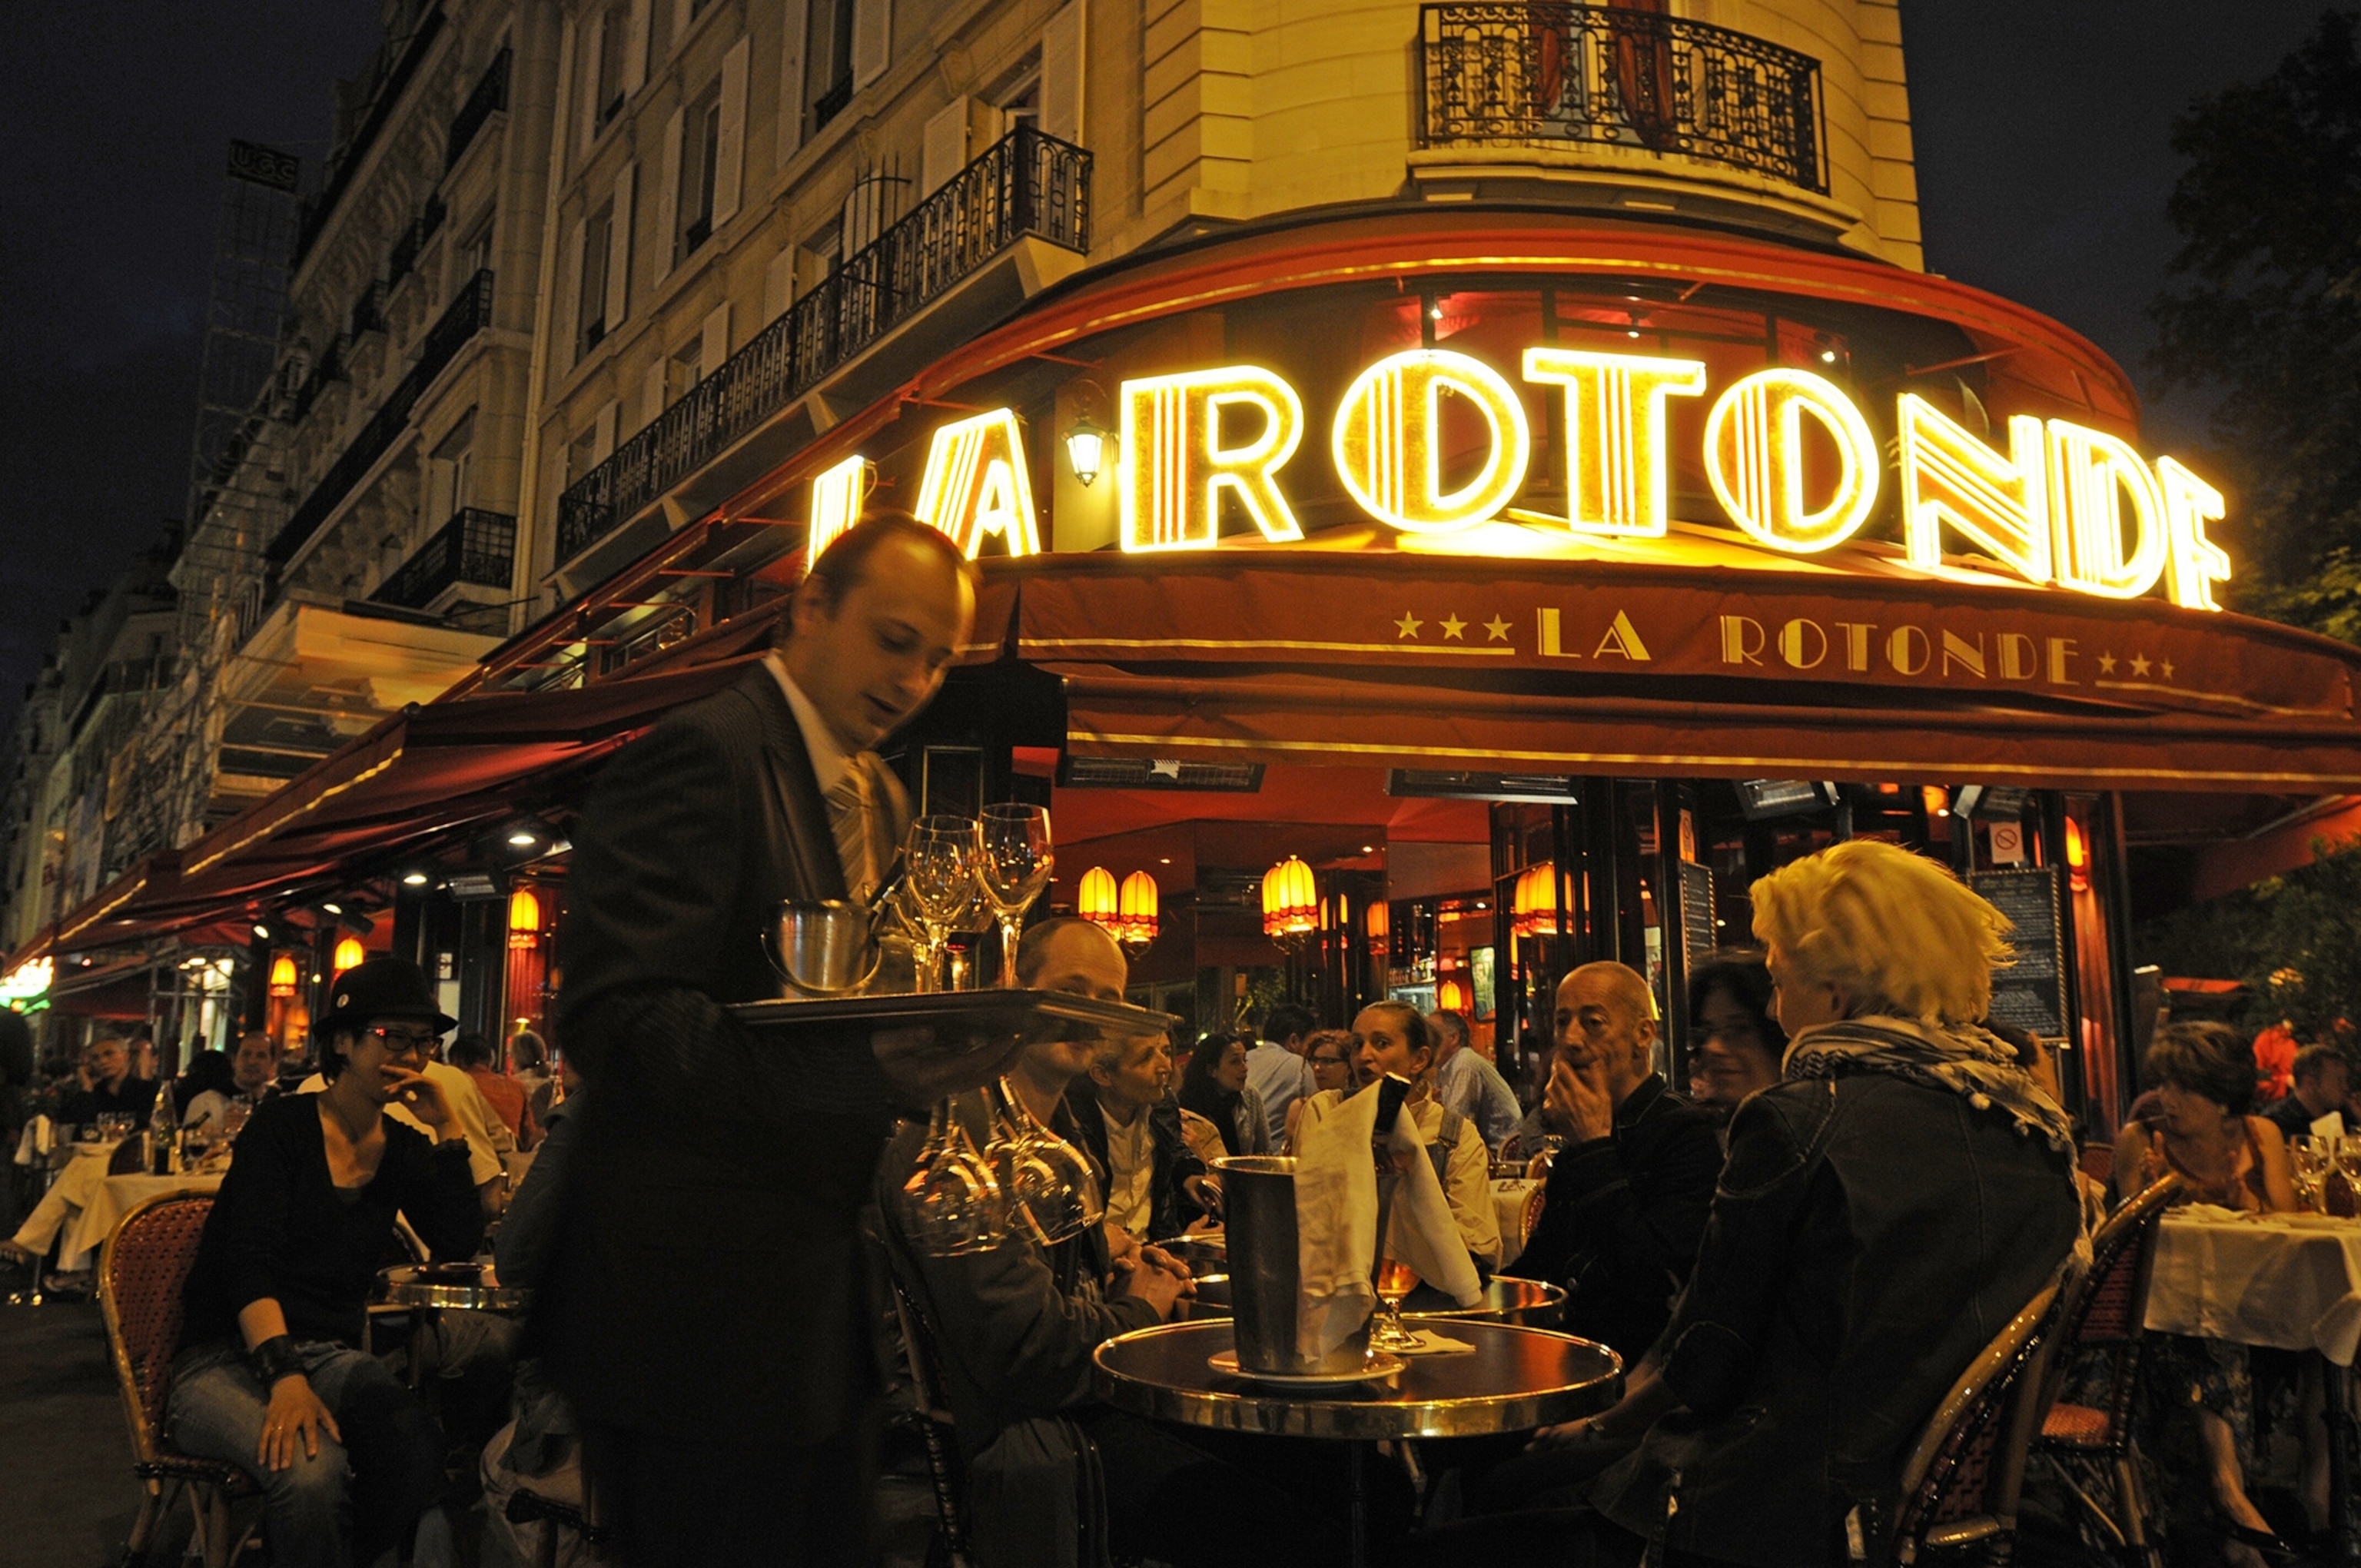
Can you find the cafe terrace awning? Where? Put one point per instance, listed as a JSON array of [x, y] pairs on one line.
[[420, 779], [1698, 664]]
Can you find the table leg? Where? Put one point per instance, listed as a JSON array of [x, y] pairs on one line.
[[1360, 1534], [2336, 1397]]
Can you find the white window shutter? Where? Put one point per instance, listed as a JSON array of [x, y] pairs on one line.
[[872, 40], [791, 79], [652, 391], [778, 285], [1061, 74], [619, 250], [594, 48], [635, 48], [715, 345], [602, 438], [668, 195], [681, 17], [730, 148], [943, 148]]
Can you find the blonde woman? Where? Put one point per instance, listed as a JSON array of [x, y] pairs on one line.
[[1393, 1037], [1887, 1208]]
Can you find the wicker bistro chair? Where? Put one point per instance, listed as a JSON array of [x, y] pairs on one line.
[[1961, 1484], [2107, 1315], [140, 1272], [935, 1429]]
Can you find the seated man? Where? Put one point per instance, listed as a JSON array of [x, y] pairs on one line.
[[108, 1087], [1277, 1069], [502, 1095], [1156, 1184], [2323, 1080], [1628, 1195], [1468, 1083], [253, 1078], [1014, 1330], [270, 1376], [475, 1118]]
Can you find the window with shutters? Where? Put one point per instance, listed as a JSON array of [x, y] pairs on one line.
[[598, 235], [1018, 96], [581, 455], [615, 37], [684, 369], [700, 149], [827, 62]]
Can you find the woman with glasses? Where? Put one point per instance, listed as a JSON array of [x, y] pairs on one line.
[[1329, 1053], [272, 1377]]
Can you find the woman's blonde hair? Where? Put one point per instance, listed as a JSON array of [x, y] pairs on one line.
[[1895, 931]]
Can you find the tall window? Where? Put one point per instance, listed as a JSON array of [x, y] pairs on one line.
[[701, 147], [614, 38], [828, 63], [597, 236]]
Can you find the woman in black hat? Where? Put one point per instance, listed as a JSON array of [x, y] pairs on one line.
[[272, 1377]]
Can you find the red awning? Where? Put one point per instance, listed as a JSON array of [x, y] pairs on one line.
[[420, 779]]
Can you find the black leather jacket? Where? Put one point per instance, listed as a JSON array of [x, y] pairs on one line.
[[1169, 1208], [1869, 1238]]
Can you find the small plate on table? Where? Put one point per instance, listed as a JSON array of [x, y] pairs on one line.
[[1380, 1363]]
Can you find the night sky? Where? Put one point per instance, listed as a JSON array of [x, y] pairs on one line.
[[2043, 171]]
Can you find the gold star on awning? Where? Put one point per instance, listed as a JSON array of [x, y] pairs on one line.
[[1452, 626], [1409, 624], [1497, 629]]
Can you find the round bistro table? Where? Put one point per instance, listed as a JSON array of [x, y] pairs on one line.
[[1513, 1379]]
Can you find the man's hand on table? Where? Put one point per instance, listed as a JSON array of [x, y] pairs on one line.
[[925, 1066], [1157, 1279]]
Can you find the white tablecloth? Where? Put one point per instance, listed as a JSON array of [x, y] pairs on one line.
[[2292, 1282], [95, 1201], [1509, 1196]]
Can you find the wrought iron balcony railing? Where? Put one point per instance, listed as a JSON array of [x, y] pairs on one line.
[[491, 95], [470, 313], [368, 311], [475, 546], [331, 367], [1545, 75], [1025, 184], [411, 240]]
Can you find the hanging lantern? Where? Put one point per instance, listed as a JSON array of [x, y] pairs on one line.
[[1533, 907], [1136, 915], [1086, 450], [1098, 901], [524, 918], [1451, 997], [1290, 904], [1379, 921], [350, 954], [282, 975], [2077, 858]]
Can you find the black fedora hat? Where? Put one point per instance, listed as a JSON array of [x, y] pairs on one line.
[[385, 988]]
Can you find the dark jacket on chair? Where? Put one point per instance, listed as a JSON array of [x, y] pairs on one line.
[[710, 1276], [1622, 1217], [1871, 1235], [1169, 1208]]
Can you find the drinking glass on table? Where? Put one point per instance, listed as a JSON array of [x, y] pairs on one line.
[[941, 858], [1015, 866], [1396, 1280], [2306, 1163]]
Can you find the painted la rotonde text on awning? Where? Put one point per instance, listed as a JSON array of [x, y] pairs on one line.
[[2060, 505]]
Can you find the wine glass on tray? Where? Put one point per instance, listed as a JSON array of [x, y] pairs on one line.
[[1016, 865], [940, 877]]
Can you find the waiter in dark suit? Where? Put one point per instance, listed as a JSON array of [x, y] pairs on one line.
[[708, 1311]]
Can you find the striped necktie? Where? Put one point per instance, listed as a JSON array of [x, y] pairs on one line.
[[848, 811]]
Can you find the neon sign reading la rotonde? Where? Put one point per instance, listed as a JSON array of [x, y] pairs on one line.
[[2060, 505]]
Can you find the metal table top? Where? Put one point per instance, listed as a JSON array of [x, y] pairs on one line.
[[1515, 1379], [1506, 1300], [458, 1285]]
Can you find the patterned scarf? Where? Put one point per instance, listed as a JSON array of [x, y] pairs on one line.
[[1956, 1059]]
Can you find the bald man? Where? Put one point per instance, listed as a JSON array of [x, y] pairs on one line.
[[1628, 1195]]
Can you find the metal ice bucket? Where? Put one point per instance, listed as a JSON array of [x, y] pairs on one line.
[[1265, 1287], [825, 947]]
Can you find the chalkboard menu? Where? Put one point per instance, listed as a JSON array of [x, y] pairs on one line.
[[1698, 937], [2031, 993]]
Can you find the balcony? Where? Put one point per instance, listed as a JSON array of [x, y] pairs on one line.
[[475, 546], [368, 311], [331, 367], [469, 313], [491, 95], [372, 99], [1025, 185], [1565, 77]]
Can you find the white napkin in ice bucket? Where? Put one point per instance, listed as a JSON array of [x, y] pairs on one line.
[[1336, 1220]]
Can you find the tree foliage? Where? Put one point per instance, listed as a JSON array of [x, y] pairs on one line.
[[2264, 306], [2295, 941]]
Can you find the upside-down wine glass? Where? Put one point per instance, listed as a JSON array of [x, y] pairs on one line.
[[1051, 1189], [940, 878], [1016, 865], [952, 1204]]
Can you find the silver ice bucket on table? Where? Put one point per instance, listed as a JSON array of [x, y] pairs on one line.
[[1265, 1284]]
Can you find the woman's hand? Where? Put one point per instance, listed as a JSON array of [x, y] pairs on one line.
[[296, 1415], [423, 1098]]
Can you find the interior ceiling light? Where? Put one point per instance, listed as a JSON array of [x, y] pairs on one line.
[[522, 839], [414, 879], [261, 930], [334, 908]]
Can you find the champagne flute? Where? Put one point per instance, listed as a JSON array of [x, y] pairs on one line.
[[1016, 865], [941, 859], [1396, 1280]]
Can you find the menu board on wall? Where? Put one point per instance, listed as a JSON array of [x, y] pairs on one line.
[[1698, 936], [2029, 994]]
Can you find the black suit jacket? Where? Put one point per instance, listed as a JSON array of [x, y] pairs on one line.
[[1170, 1206], [710, 1277]]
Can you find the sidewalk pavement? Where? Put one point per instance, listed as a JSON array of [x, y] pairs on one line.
[[66, 1488]]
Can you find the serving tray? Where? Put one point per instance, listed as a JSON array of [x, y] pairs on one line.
[[1035, 1014]]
